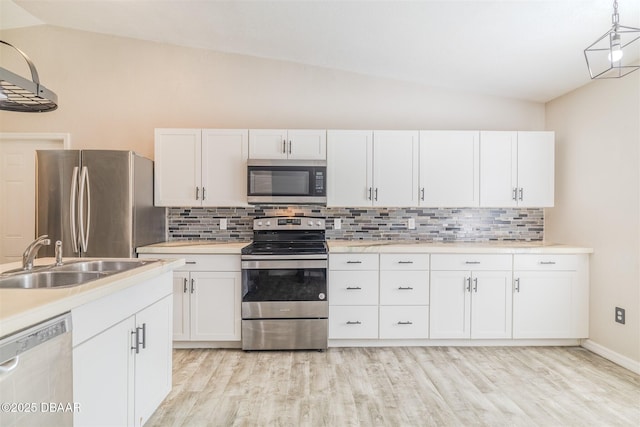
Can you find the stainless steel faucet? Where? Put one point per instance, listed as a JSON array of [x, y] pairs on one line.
[[31, 251]]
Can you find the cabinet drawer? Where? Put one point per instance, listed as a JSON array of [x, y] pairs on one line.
[[404, 287], [404, 322], [354, 261], [353, 322], [202, 262], [470, 262], [539, 262], [404, 261], [353, 288]]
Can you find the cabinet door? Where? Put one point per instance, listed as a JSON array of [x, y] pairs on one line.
[[181, 296], [177, 168], [268, 144], [450, 304], [536, 169], [224, 173], [215, 306], [349, 168], [395, 168], [450, 168], [102, 367], [307, 144], [498, 168], [543, 304], [491, 304], [153, 361]]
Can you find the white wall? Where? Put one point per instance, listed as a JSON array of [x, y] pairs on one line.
[[598, 200], [114, 91]]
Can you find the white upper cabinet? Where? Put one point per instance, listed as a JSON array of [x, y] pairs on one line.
[[349, 167], [517, 169], [449, 169], [195, 167], [395, 168], [301, 144]]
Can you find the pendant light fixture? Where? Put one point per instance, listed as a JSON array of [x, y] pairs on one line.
[[24, 95], [610, 56]]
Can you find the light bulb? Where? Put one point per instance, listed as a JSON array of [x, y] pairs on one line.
[[615, 54]]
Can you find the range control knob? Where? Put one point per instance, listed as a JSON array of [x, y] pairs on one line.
[[319, 223], [310, 222], [268, 223], [259, 223]]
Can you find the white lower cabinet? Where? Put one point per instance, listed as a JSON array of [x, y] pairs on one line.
[[469, 303], [206, 297], [551, 296], [122, 355]]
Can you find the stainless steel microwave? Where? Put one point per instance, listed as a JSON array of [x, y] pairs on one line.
[[287, 182]]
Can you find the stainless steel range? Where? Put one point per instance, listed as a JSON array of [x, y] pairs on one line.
[[284, 285]]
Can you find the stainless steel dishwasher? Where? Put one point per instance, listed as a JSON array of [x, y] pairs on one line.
[[36, 377]]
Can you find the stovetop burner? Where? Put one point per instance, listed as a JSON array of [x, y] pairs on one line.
[[287, 236], [285, 248]]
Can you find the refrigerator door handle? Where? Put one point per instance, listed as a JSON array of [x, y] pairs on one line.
[[72, 210], [85, 188]]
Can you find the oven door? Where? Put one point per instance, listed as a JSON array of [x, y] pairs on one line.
[[284, 289]]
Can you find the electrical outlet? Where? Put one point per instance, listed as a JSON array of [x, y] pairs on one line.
[[223, 223], [620, 315], [411, 223], [337, 224]]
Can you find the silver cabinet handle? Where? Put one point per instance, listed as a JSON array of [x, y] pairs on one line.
[[547, 262], [203, 197], [405, 288], [521, 193], [405, 323], [193, 285], [144, 335], [136, 343], [472, 262], [354, 262], [370, 190], [190, 262], [475, 285], [284, 146], [422, 194], [357, 322], [376, 195], [197, 193], [517, 284], [514, 196], [468, 284], [73, 208], [184, 289], [405, 262], [289, 147], [353, 288]]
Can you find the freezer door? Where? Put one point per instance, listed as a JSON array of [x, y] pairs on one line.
[[54, 196], [107, 214]]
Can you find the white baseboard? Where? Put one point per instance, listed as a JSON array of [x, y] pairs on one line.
[[611, 355]]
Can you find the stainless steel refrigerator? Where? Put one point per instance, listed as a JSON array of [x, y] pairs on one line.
[[99, 203]]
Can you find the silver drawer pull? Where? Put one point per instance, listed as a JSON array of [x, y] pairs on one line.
[[405, 288], [353, 288], [472, 262], [405, 323], [357, 322], [190, 262], [354, 262], [547, 262], [405, 262]]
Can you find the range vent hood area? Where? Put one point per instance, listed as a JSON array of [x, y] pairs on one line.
[[23, 95]]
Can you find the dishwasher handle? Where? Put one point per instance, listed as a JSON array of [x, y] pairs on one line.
[[9, 365]]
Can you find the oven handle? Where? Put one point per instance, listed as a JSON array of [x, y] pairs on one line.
[[284, 264]]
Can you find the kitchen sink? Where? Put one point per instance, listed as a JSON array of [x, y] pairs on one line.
[[72, 274], [48, 279]]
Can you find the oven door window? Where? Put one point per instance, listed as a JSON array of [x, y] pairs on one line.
[[278, 182], [304, 284]]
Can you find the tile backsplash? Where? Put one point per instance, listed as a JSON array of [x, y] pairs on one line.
[[431, 224]]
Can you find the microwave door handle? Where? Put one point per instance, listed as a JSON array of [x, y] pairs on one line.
[[73, 208]]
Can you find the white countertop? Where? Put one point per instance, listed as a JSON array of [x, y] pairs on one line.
[[380, 246], [193, 247], [391, 246], [21, 308]]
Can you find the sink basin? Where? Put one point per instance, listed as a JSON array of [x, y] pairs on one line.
[[48, 279], [72, 274], [101, 265]]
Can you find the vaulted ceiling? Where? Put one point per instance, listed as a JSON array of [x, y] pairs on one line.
[[525, 49]]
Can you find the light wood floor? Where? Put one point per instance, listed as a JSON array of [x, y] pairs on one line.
[[401, 386]]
